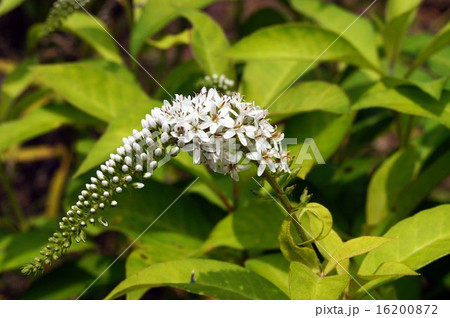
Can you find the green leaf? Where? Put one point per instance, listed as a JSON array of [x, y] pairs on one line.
[[334, 18], [90, 31], [162, 246], [99, 89], [156, 14], [399, 15], [181, 79], [264, 81], [416, 241], [15, 84], [326, 130], [254, 225], [317, 220], [306, 285], [441, 40], [439, 63], [38, 122], [35, 99], [402, 181], [396, 8], [296, 41], [392, 269], [261, 18], [209, 44], [433, 88], [204, 189], [355, 247], [158, 247], [170, 40], [212, 278], [8, 5], [420, 187], [408, 100], [290, 249], [272, 267], [310, 96], [330, 244], [387, 183]]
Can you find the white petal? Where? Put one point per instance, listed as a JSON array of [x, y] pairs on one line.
[[242, 138], [197, 155], [261, 169], [254, 156], [229, 133], [234, 175], [188, 147], [205, 124], [203, 135], [227, 122], [213, 128]]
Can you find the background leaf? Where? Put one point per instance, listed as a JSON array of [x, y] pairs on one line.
[[87, 29], [417, 241], [310, 96], [264, 81], [334, 18], [282, 42], [156, 14], [327, 131], [438, 42], [272, 267], [354, 247], [407, 100], [399, 15], [101, 90], [38, 122], [407, 176], [8, 5], [171, 40], [157, 247], [254, 225], [306, 285], [387, 183], [15, 84], [212, 278], [292, 251], [209, 44]]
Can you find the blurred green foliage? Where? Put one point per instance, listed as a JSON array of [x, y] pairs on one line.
[[376, 102]]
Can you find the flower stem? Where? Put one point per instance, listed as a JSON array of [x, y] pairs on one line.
[[284, 200]]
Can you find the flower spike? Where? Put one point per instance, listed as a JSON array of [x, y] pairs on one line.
[[220, 131]]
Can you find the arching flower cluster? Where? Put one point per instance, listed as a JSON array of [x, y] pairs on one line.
[[223, 132], [60, 11]]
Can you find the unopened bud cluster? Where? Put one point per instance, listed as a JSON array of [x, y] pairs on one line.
[[223, 132], [60, 11], [220, 83]]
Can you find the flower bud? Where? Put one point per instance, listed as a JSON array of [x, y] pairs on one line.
[[138, 185]]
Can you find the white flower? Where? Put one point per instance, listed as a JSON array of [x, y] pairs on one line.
[[204, 126]]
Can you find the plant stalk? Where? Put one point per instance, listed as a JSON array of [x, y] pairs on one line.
[[284, 200]]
